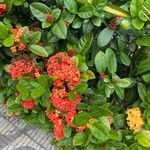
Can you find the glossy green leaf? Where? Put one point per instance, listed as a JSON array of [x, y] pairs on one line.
[[79, 138], [39, 10], [84, 43], [81, 119], [144, 41], [125, 59], [35, 37], [38, 50], [71, 5], [111, 61], [100, 62], [86, 11], [59, 29], [104, 37]]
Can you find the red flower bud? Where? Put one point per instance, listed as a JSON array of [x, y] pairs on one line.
[[21, 47], [112, 25], [30, 104], [49, 18]]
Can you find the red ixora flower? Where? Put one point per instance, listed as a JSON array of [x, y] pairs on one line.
[[64, 69], [21, 66], [29, 104], [60, 100], [56, 119], [2, 9]]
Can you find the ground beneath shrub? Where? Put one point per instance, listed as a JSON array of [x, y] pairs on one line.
[[16, 135]]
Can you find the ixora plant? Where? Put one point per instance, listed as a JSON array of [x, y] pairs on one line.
[[79, 69]]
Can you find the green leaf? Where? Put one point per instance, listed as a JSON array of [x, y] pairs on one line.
[[146, 78], [71, 5], [142, 91], [100, 62], [123, 83], [56, 13], [35, 37], [111, 61], [77, 23], [86, 11], [90, 74], [84, 43], [125, 59], [104, 37], [79, 138], [99, 4], [93, 147], [120, 92], [138, 23], [81, 118], [37, 92], [81, 88], [98, 111], [39, 10], [96, 21], [3, 31], [71, 96], [18, 2], [144, 41], [143, 138], [82, 106], [42, 117], [67, 131], [59, 29], [8, 42], [38, 50], [116, 135], [135, 7], [143, 67], [99, 130]]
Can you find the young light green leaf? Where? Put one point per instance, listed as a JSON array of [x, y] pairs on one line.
[[86, 11]]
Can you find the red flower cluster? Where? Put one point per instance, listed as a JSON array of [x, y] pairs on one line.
[[17, 34], [30, 104], [60, 100], [21, 66], [58, 124], [2, 9], [64, 69], [67, 75]]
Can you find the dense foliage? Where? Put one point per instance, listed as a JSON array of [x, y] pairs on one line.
[[79, 69]]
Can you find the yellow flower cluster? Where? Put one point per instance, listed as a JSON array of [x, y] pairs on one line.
[[135, 119]]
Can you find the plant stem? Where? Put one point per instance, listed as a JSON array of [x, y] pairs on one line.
[[116, 10]]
